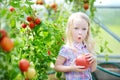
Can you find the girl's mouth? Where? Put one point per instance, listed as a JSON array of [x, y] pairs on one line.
[[79, 37]]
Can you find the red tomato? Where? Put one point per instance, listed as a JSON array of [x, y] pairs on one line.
[[11, 9], [3, 33], [30, 73], [39, 2], [29, 18], [37, 21], [49, 52], [7, 44], [24, 25], [31, 25], [86, 6], [81, 60], [54, 5], [24, 65]]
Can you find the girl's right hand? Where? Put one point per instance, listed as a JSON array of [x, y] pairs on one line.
[[76, 68]]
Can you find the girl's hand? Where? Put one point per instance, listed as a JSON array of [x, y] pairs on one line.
[[90, 57], [76, 68]]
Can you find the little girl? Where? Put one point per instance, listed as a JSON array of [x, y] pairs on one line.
[[78, 41]]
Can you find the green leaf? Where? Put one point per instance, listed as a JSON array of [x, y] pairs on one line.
[[106, 57], [12, 23], [101, 49], [109, 50], [106, 43], [58, 74]]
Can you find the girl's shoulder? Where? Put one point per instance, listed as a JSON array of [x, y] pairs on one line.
[[65, 51], [65, 48]]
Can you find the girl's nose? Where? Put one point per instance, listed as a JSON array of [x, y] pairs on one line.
[[79, 32]]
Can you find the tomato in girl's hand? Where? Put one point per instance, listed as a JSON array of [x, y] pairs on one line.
[[81, 60]]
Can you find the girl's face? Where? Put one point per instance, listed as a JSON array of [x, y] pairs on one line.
[[79, 30]]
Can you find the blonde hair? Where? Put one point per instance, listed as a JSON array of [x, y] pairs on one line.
[[88, 40]]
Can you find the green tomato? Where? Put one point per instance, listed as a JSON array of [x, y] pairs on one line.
[[30, 73]]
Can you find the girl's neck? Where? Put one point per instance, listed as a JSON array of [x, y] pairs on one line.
[[79, 43]]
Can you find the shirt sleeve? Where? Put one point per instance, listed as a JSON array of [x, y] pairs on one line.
[[63, 52]]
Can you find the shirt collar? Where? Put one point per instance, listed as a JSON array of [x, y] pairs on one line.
[[79, 45]]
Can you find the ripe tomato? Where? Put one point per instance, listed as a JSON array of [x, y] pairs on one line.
[[37, 21], [3, 33], [31, 25], [11, 9], [54, 6], [39, 2], [30, 73], [49, 52], [29, 18], [24, 25], [7, 44], [86, 6], [81, 60], [24, 65]]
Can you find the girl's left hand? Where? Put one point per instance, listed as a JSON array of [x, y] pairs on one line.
[[90, 57]]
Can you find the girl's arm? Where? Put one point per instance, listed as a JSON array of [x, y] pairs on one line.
[[59, 65], [61, 68]]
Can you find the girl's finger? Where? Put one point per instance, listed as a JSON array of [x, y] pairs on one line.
[[80, 67]]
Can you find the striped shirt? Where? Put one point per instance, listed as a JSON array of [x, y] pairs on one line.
[[70, 56]]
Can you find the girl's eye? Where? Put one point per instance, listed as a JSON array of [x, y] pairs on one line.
[[76, 28], [84, 29]]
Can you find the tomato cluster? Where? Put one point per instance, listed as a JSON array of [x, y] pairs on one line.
[[51, 6], [32, 22]]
